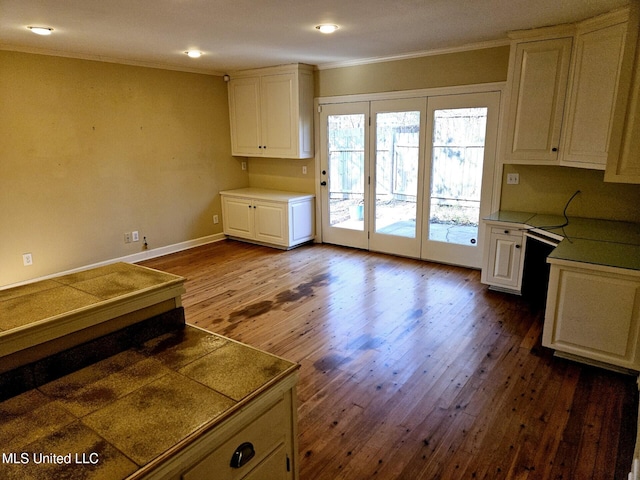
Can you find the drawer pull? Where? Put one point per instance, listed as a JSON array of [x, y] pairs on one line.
[[242, 455]]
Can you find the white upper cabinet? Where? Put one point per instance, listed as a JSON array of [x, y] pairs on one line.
[[538, 83], [565, 83], [271, 112], [623, 162]]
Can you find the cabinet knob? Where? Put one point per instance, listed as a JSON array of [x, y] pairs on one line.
[[323, 183], [506, 232], [517, 246], [554, 149]]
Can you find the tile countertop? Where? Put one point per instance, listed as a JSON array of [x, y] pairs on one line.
[[110, 419], [585, 240], [41, 301]]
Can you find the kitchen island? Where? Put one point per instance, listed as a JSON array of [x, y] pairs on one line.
[[164, 400]]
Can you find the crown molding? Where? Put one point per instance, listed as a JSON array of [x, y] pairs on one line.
[[106, 59]]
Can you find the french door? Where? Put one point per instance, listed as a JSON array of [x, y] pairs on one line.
[[397, 163], [410, 177], [462, 133], [344, 174]]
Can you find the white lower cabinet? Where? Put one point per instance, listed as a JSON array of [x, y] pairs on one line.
[[503, 259], [281, 219], [257, 442], [258, 451], [593, 314]]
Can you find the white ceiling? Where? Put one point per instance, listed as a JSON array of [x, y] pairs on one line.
[[238, 34]]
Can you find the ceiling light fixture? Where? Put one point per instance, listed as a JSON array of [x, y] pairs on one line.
[[327, 28], [194, 53], [41, 30]]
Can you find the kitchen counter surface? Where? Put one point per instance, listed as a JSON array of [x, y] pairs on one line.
[[42, 318], [44, 300], [120, 415], [266, 194], [585, 240]]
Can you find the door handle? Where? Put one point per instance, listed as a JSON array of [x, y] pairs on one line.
[[323, 183]]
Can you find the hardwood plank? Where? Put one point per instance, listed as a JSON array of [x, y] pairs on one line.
[[411, 369]]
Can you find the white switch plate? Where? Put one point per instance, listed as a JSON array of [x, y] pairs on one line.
[[513, 178], [244, 165], [304, 169], [134, 236], [215, 219]]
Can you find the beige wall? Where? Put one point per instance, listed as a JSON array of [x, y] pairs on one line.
[[451, 69], [544, 189], [91, 150]]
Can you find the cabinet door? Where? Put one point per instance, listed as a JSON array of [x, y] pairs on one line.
[[244, 113], [237, 217], [539, 81], [594, 315], [505, 259], [598, 63], [623, 162], [279, 105], [270, 222]]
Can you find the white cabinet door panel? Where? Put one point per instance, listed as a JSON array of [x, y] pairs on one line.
[[270, 223], [237, 217], [537, 100], [593, 315]]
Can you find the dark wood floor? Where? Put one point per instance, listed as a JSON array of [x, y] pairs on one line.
[[412, 370]]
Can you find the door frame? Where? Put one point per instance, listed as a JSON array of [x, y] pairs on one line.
[[427, 92]]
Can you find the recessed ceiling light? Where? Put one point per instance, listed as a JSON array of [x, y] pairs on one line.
[[327, 28], [41, 30], [194, 53]]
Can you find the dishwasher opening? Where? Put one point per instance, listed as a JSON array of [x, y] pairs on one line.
[[535, 276]]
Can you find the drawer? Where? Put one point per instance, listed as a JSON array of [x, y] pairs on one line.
[[266, 434], [506, 231], [271, 468]]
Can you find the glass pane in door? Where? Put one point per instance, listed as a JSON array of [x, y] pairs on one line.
[[346, 164], [397, 160], [456, 174]]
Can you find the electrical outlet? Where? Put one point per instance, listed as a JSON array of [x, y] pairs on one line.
[[27, 259], [215, 219], [513, 178], [127, 237], [135, 237], [244, 165]]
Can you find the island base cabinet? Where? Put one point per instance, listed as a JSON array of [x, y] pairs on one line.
[[265, 432], [261, 443], [592, 315]]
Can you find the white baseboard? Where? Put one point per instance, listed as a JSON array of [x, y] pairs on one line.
[[136, 257]]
